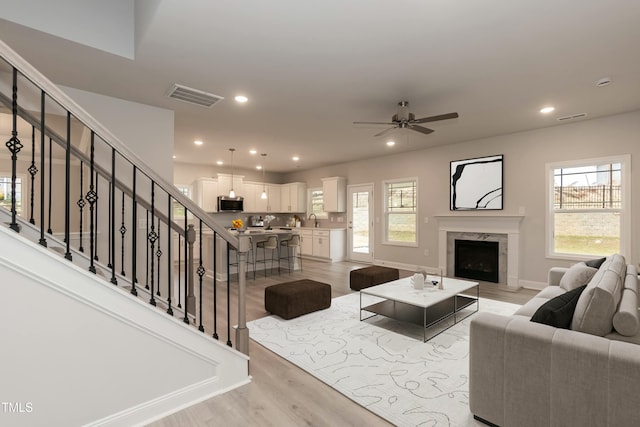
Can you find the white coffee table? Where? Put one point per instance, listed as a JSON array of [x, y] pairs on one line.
[[426, 307]]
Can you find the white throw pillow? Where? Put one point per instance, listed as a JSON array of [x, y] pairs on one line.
[[578, 274]]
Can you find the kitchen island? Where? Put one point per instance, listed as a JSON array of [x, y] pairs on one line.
[[256, 235]]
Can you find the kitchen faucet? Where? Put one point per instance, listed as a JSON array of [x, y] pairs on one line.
[[315, 218]]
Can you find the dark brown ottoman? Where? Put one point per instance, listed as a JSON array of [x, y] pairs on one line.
[[293, 299], [371, 276]]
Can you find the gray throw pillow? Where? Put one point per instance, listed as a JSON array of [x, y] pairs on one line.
[[578, 274]]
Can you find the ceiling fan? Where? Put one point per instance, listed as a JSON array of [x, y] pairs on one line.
[[403, 119]]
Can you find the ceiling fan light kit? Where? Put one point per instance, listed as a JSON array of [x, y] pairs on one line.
[[404, 119]]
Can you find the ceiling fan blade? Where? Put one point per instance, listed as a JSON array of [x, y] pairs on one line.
[[436, 118], [373, 123], [420, 129], [385, 132]]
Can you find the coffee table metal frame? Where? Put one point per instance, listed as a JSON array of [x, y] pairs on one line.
[[426, 307]]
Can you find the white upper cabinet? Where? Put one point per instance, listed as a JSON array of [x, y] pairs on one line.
[[206, 194], [250, 192], [224, 184], [293, 197], [334, 194]]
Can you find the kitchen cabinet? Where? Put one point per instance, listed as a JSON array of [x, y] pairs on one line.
[[224, 184], [249, 191], [334, 194], [272, 202], [306, 245], [206, 194], [293, 197], [321, 244], [328, 244]]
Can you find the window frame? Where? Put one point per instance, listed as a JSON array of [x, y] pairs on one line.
[[386, 213], [174, 203], [323, 215], [625, 211], [24, 191]]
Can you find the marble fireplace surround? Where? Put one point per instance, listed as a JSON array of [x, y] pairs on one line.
[[504, 229]]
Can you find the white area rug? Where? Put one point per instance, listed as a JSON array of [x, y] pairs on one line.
[[400, 378]]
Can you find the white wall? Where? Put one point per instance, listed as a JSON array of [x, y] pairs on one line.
[[525, 156], [105, 25]]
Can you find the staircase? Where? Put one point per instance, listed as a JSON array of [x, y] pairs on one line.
[[109, 315]]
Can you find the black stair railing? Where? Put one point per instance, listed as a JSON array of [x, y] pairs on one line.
[[78, 145]]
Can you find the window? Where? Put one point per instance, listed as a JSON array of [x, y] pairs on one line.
[[5, 193], [178, 209], [316, 203], [400, 211], [589, 208]]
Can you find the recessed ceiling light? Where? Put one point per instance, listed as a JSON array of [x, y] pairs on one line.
[[174, 156], [219, 163], [295, 158], [241, 99], [546, 110], [259, 167], [391, 143], [253, 152], [198, 142]]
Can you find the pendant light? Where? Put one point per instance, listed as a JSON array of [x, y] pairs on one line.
[[232, 193], [263, 196]]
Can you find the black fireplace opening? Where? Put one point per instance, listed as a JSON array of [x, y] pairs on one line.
[[476, 259]]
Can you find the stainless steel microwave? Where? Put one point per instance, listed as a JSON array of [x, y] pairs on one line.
[[230, 204]]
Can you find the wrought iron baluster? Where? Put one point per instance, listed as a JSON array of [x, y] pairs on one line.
[[42, 240], [33, 170], [112, 212], [14, 145], [134, 235], [123, 230], [179, 264], [153, 236], [215, 284], [158, 255], [109, 228], [169, 255], [81, 203], [186, 272], [200, 272], [50, 182], [146, 282], [229, 295], [67, 191], [97, 210], [92, 198]]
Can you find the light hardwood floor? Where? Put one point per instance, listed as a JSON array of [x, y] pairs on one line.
[[281, 394]]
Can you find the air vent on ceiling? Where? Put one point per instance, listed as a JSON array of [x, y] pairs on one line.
[[572, 117], [193, 96]]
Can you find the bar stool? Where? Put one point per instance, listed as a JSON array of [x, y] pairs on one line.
[[270, 244], [292, 245]]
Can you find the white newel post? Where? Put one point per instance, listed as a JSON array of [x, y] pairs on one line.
[[242, 332]]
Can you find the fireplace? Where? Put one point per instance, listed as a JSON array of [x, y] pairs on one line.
[[477, 259]]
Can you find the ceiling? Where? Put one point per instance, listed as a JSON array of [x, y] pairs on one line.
[[312, 68]]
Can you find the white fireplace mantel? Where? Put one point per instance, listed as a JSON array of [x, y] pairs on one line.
[[500, 224]]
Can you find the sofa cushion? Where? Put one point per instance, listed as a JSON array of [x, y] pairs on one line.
[[578, 274], [599, 301], [558, 311], [625, 320]]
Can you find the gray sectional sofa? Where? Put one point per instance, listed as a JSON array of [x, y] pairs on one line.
[[524, 373]]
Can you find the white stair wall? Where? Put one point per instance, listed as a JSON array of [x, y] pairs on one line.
[[83, 352]]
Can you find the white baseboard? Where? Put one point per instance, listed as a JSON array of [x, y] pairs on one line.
[[163, 406], [530, 284]]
